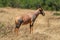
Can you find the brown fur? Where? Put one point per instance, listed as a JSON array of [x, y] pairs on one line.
[[27, 18]]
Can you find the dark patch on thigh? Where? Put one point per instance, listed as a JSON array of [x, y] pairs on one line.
[[19, 23]]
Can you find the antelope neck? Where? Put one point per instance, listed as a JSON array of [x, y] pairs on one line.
[[36, 13]]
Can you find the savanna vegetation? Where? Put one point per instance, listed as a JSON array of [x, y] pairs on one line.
[[45, 27], [31, 4]]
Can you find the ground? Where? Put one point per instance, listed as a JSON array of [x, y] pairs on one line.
[[45, 27]]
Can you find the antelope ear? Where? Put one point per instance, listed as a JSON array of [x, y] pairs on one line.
[[39, 9]]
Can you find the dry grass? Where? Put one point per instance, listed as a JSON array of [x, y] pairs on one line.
[[45, 27]]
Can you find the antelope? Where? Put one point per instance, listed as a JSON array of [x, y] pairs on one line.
[[27, 19]]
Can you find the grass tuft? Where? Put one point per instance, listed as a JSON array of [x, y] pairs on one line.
[[56, 14]]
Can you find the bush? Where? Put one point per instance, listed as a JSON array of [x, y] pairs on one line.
[[46, 4]]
